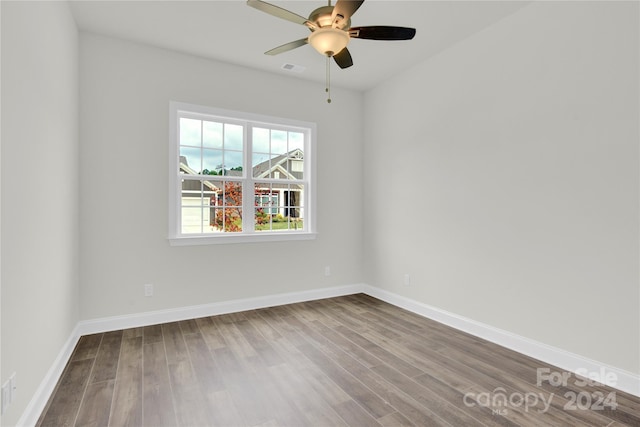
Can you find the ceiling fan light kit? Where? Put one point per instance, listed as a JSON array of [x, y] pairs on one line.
[[328, 40], [331, 30]]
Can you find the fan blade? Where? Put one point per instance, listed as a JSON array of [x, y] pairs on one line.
[[343, 58], [277, 11], [343, 9], [287, 47], [382, 33]]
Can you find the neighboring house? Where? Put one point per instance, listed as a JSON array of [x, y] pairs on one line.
[[274, 198], [285, 199]]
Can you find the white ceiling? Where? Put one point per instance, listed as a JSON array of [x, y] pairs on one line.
[[233, 32]]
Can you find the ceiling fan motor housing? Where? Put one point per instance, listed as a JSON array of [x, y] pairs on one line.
[[323, 17]]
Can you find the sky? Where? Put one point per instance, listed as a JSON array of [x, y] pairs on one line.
[[217, 144]]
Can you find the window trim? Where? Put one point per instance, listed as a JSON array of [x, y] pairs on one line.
[[176, 238]]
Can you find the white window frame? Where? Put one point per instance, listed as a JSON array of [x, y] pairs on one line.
[[248, 235]]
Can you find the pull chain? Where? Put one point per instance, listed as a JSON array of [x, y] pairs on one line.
[[328, 88]]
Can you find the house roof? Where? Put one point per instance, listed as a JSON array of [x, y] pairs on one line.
[[281, 164]]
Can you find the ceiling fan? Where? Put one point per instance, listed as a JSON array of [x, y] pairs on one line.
[[331, 30]]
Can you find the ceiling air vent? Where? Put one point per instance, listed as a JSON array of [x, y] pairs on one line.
[[293, 68]]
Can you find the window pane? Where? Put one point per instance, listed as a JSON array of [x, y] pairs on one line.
[[190, 160], [192, 192], [212, 134], [258, 162], [228, 220], [190, 132], [278, 142], [212, 162], [297, 222], [233, 135], [296, 141], [191, 220], [278, 207], [233, 161], [232, 194], [261, 140], [192, 200], [264, 165], [295, 164]]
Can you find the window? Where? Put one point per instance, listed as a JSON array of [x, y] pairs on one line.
[[239, 177]]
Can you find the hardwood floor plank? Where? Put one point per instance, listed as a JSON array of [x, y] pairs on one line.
[[261, 324], [426, 397], [204, 367], [395, 420], [126, 409], [152, 334], [365, 357], [189, 327], [190, 402], [321, 384], [385, 355], [174, 344], [390, 394], [106, 364], [405, 404], [158, 407], [259, 343], [452, 395], [240, 384], [96, 405], [233, 337], [299, 392], [355, 416], [223, 410], [211, 333], [132, 333], [65, 403], [285, 410], [87, 347], [370, 401]]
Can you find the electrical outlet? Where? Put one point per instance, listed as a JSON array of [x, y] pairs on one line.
[[407, 280], [327, 271], [148, 290], [14, 387], [6, 396]]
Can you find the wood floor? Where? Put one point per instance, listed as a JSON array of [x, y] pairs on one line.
[[347, 361]]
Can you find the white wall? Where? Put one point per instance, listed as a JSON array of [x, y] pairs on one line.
[[502, 175], [125, 93], [39, 191]]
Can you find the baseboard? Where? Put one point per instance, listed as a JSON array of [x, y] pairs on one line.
[[47, 386], [570, 362], [193, 312]]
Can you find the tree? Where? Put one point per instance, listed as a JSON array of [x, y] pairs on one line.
[[228, 217]]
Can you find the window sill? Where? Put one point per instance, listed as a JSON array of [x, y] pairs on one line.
[[242, 238]]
